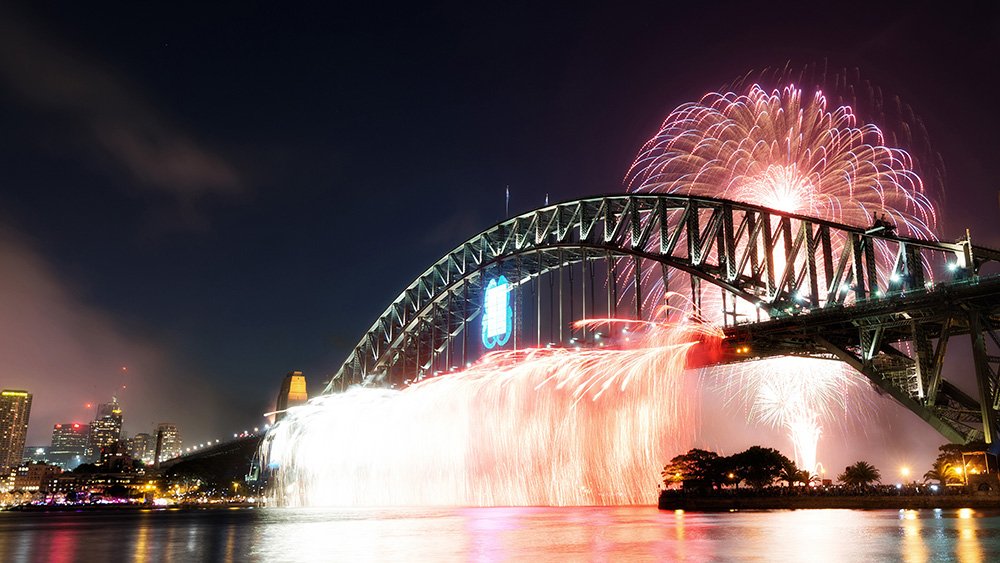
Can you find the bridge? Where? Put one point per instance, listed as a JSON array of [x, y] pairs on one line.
[[778, 283]]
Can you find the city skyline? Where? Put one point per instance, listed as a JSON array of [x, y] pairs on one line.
[[229, 222], [75, 443]]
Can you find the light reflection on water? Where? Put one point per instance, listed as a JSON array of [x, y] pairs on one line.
[[502, 534]]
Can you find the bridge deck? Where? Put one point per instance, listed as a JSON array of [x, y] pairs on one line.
[[894, 314]]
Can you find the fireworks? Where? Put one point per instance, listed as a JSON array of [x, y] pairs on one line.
[[787, 150], [572, 427], [794, 394], [779, 151], [532, 427]]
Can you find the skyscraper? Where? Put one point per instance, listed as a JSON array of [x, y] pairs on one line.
[[106, 429], [15, 408], [293, 392], [70, 442], [142, 447], [168, 441]]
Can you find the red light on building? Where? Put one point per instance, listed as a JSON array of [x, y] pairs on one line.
[[58, 425]]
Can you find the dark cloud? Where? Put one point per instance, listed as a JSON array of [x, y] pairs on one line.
[[104, 109]]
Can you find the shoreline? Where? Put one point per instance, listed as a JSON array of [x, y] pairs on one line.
[[124, 507], [807, 502]]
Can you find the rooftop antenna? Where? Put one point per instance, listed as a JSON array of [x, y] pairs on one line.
[[506, 207], [546, 198]]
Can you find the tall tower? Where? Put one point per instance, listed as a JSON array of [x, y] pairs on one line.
[[106, 429], [15, 408], [141, 447], [168, 441], [293, 392]]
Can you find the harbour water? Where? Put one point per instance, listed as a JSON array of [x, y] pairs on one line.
[[500, 534]]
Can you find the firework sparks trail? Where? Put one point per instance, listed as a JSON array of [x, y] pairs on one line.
[[531, 427], [794, 394], [790, 152]]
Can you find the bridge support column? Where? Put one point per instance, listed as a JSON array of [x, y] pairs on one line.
[[583, 291], [986, 375], [946, 429]]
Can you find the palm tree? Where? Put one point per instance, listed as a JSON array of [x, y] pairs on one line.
[[945, 472], [860, 475], [807, 478], [790, 474]]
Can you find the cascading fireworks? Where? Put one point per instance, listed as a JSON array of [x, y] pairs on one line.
[[531, 427], [794, 154]]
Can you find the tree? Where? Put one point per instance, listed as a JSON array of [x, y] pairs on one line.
[[810, 478], [701, 466], [758, 466], [791, 474], [949, 467], [944, 472], [860, 475], [86, 468]]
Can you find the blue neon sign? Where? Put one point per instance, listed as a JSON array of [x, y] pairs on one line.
[[498, 316]]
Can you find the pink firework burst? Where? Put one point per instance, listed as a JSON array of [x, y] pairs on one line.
[[788, 149]]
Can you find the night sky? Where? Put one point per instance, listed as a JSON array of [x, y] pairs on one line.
[[213, 194]]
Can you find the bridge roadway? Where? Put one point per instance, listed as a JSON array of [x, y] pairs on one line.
[[242, 448], [891, 340]]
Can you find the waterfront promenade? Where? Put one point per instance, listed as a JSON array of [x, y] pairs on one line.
[[675, 500]]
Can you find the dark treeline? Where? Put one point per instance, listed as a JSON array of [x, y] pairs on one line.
[[756, 467]]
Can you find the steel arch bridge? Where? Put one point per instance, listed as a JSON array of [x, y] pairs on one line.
[[786, 284]]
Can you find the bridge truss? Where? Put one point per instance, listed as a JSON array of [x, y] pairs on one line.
[[781, 284]]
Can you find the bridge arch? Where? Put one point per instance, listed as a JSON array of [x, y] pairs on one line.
[[776, 263], [885, 305]]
